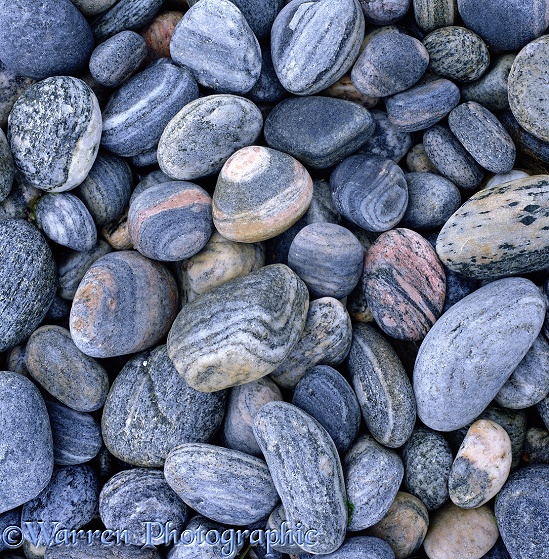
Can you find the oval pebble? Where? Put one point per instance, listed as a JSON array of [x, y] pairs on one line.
[[224, 485], [387, 141], [384, 12], [54, 148], [7, 167], [158, 33], [260, 192], [432, 14], [124, 304], [200, 138]]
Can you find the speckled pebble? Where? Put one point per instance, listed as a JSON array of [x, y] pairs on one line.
[[7, 167], [433, 14]]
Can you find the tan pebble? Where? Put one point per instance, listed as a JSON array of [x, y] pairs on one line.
[[158, 33], [345, 89], [418, 161], [117, 233]]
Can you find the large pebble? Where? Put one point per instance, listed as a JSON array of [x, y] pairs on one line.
[[432, 14], [494, 326], [387, 141], [7, 167], [54, 132], [224, 485], [124, 304]]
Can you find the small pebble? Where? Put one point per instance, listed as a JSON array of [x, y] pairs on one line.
[[93, 7], [501, 178], [116, 233], [458, 286], [345, 89]]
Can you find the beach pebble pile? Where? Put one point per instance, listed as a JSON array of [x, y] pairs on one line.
[[274, 265]]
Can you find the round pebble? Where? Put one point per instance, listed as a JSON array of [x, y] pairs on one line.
[[384, 12], [433, 14]]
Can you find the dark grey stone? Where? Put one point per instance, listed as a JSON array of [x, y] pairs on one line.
[[384, 12], [12, 86], [497, 552], [7, 519], [152, 179], [59, 311], [359, 547], [267, 88], [7, 167], [458, 286], [20, 201], [543, 409], [536, 446], [97, 550], [145, 158], [15, 360], [260, 14]]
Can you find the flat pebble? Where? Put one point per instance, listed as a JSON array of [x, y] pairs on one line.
[[7, 167], [387, 141], [12, 86], [433, 14], [384, 12]]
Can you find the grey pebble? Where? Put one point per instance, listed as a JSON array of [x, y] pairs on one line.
[[7, 167], [151, 179], [267, 88], [536, 446], [543, 409], [20, 201], [359, 547], [275, 522], [384, 12], [458, 286], [15, 360], [97, 550], [497, 552], [12, 86], [432, 14], [59, 311], [145, 158], [93, 7], [260, 15]]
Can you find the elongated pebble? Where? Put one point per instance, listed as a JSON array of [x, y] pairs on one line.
[[432, 14], [109, 318], [387, 141], [7, 167], [12, 86], [224, 485], [306, 472]]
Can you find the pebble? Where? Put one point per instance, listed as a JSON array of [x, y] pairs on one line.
[[470, 122], [12, 85], [345, 89], [313, 44], [259, 15], [227, 61], [370, 191], [458, 286], [150, 409], [384, 12], [93, 7], [28, 281], [359, 547], [543, 409], [43, 40], [423, 105], [97, 550], [239, 331], [7, 167], [25, 442], [224, 485], [7, 519], [275, 522], [200, 138], [404, 284], [373, 475], [306, 471], [456, 532], [125, 303], [433, 14], [498, 551], [418, 161], [521, 512], [536, 446], [145, 158], [319, 131], [260, 192], [137, 112], [132, 498], [513, 239], [75, 379], [15, 360], [325, 395], [151, 179], [115, 60], [54, 147], [325, 340], [506, 177], [267, 88], [116, 233], [495, 326], [158, 33]]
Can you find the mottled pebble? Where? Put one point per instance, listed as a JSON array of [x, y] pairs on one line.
[[158, 33], [432, 14], [387, 141], [418, 161]]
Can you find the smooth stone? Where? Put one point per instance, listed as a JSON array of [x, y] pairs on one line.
[[345, 89], [260, 192], [239, 331], [7, 167], [125, 303], [93, 7], [158, 33], [115, 60], [390, 63], [501, 178], [423, 105], [373, 475], [124, 15], [151, 179], [43, 40], [54, 147], [404, 284], [313, 44], [97, 550], [481, 466], [12, 85], [433, 14], [370, 191], [65, 219], [150, 409], [495, 326], [267, 88], [404, 525], [384, 12], [483, 136], [26, 442], [75, 379], [505, 25], [146, 158], [306, 472], [319, 131], [137, 113], [418, 161], [325, 395], [432, 199], [359, 547], [132, 498], [521, 513], [227, 61], [200, 138], [325, 340], [456, 532], [224, 485], [28, 281], [259, 15], [243, 403], [491, 90], [536, 446], [276, 521], [117, 234], [513, 239], [15, 360], [382, 387], [7, 519], [451, 159], [76, 435], [458, 286]]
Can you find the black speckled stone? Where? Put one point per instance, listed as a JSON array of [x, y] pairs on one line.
[[215, 42], [359, 547], [432, 14], [12, 86], [522, 513], [315, 43], [28, 281], [536, 446], [150, 409], [325, 395], [384, 12], [458, 286], [133, 497], [140, 109], [7, 167], [267, 88], [42, 40], [25, 441]]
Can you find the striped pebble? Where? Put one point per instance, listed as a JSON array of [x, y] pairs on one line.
[[7, 168], [387, 141], [224, 485], [432, 14], [239, 331], [54, 148], [404, 284], [125, 303], [171, 221], [260, 193]]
